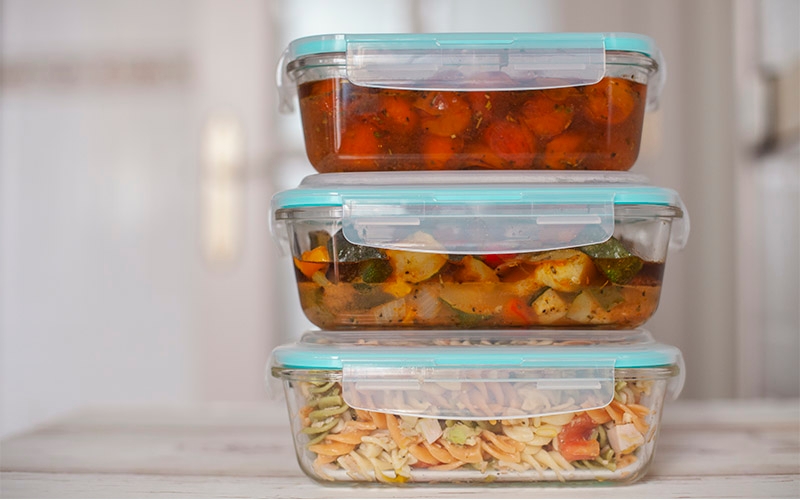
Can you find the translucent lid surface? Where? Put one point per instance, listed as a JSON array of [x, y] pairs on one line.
[[517, 374], [516, 211], [472, 61]]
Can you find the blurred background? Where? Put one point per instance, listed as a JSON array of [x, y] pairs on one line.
[[140, 144]]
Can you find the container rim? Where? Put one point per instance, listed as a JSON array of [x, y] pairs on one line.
[[660, 372]]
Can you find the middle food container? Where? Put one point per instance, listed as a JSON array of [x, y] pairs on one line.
[[461, 250]]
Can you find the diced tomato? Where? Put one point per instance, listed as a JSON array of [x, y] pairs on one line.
[[574, 442]]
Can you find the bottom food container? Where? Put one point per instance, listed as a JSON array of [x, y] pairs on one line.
[[432, 407]]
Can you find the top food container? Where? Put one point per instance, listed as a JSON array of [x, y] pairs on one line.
[[479, 249], [561, 101]]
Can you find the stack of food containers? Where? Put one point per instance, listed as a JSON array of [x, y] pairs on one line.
[[478, 258]]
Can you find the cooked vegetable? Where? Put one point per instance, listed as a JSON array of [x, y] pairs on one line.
[[375, 271], [569, 272], [614, 260], [549, 307], [552, 288], [417, 266]]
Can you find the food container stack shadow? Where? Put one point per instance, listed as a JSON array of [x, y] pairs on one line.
[[477, 257]]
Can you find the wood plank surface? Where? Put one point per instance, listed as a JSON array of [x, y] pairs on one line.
[[705, 449]]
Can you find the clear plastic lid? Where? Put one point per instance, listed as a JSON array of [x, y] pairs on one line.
[[507, 374], [494, 211], [462, 61]]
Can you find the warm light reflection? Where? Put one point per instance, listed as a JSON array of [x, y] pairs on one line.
[[222, 210]]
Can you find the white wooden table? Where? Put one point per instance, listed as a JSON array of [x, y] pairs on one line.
[[709, 449]]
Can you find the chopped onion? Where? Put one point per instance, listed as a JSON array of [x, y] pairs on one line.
[[430, 429]]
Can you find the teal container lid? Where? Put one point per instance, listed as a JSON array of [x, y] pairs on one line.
[[491, 187], [403, 373], [470, 61], [503, 349], [333, 43], [528, 210]]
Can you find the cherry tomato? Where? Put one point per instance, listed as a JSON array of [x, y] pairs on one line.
[[317, 104], [574, 442], [396, 113], [444, 113], [480, 156], [611, 101], [511, 142], [545, 117], [438, 150], [565, 151], [614, 151], [359, 145]]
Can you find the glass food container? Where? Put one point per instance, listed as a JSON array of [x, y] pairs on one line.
[[483, 406], [455, 101], [479, 249]]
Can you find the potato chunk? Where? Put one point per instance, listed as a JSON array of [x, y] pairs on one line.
[[414, 267], [473, 270], [549, 307], [568, 273], [586, 310]]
